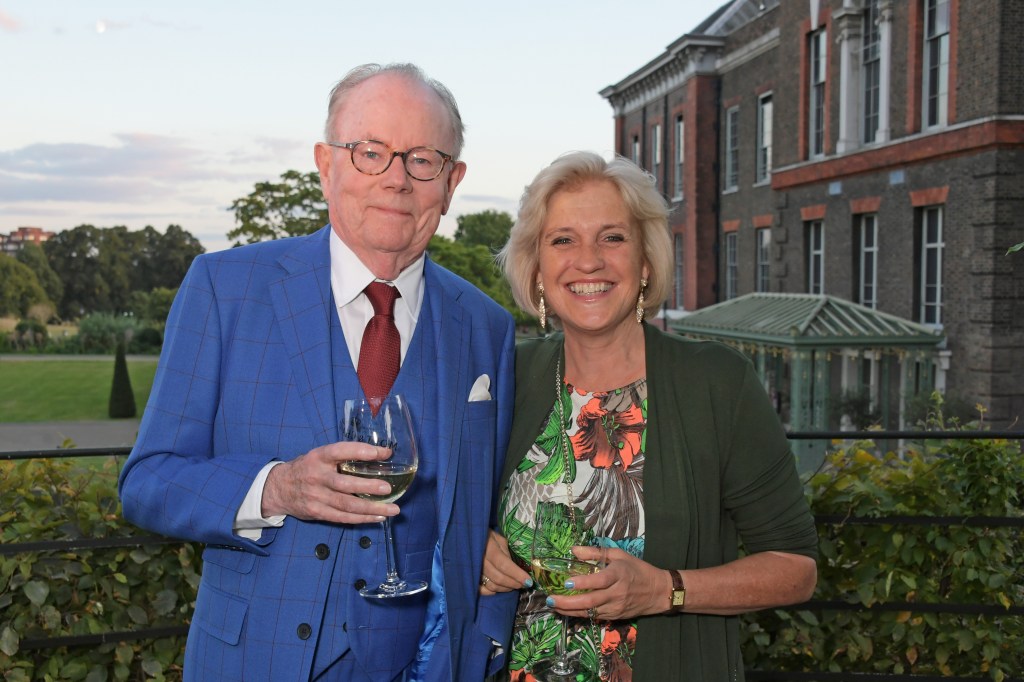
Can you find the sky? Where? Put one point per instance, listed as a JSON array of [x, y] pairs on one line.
[[153, 112]]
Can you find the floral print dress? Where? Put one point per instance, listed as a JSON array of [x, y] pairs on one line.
[[607, 433]]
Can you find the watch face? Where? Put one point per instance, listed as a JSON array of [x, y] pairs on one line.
[[678, 597]]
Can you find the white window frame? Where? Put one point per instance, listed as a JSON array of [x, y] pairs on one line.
[[732, 148], [867, 266], [935, 74], [731, 264], [818, 73], [680, 149], [871, 73], [932, 248], [679, 269], [763, 148], [656, 152], [816, 257], [763, 272], [636, 151]]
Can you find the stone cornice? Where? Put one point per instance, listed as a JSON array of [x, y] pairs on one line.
[[689, 56]]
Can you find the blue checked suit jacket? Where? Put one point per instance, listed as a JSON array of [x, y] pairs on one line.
[[246, 378]]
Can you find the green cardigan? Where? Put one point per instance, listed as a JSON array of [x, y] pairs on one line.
[[719, 469]]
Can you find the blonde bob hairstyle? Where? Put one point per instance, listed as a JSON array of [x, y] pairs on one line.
[[520, 257]]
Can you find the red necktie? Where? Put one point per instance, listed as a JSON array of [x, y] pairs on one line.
[[381, 350]]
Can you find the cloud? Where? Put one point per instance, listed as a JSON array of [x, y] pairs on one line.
[[9, 23], [139, 162]]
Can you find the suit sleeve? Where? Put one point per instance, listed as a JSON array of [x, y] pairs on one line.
[[174, 483]]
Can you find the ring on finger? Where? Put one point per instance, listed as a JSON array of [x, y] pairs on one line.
[[592, 613], [484, 580]]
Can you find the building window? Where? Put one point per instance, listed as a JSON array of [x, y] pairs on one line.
[[816, 257], [732, 148], [936, 62], [867, 260], [871, 71], [636, 150], [679, 147], [731, 265], [764, 138], [816, 105], [678, 289], [931, 265], [656, 152], [764, 243]]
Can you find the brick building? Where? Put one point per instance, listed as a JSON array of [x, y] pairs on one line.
[[871, 150], [12, 242]]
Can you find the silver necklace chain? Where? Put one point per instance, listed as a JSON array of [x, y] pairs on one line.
[[594, 631]]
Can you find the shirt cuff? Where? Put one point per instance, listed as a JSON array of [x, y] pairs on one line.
[[249, 521]]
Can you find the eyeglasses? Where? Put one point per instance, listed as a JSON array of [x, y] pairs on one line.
[[371, 157]]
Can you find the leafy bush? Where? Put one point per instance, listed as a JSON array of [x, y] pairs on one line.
[[100, 332], [943, 564], [148, 340], [85, 591], [30, 333]]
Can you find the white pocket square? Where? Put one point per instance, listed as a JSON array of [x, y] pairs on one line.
[[481, 389]]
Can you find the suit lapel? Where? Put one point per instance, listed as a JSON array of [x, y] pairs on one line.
[[452, 341], [303, 305]]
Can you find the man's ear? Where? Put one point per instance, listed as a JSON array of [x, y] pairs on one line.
[[322, 156], [454, 178]]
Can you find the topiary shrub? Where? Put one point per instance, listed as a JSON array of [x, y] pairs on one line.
[[122, 398]]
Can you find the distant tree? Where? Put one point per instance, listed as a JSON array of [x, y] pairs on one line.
[[122, 398], [293, 206], [153, 306], [75, 255], [475, 263], [32, 255], [178, 248], [487, 228], [161, 260], [101, 267], [19, 288]]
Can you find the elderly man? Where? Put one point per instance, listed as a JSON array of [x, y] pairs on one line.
[[239, 445]]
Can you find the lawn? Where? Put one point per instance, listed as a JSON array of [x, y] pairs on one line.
[[65, 389]]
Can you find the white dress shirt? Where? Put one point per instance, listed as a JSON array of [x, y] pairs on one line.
[[349, 277]]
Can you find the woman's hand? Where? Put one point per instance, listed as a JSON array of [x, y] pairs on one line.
[[626, 587], [501, 573]]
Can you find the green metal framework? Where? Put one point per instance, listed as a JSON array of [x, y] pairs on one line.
[[803, 333]]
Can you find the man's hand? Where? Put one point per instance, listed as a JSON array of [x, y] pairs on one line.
[[310, 488]]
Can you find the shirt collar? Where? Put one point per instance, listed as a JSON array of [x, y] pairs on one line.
[[349, 277]]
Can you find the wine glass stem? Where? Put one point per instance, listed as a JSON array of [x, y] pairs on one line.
[[561, 665], [389, 549]]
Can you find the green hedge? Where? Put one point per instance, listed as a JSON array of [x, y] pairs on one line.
[[943, 564], [82, 592], [51, 594]]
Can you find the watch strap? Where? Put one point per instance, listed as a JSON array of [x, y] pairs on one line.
[[677, 598]]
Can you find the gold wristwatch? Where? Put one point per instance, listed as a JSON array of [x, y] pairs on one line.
[[678, 596]]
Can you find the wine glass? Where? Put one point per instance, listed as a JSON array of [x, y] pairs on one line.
[[385, 423], [558, 526]]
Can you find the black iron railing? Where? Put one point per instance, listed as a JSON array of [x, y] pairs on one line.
[[67, 545]]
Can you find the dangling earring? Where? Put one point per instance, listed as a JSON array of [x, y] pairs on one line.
[[540, 308], [640, 302]]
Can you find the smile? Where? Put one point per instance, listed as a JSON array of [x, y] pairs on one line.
[[586, 288]]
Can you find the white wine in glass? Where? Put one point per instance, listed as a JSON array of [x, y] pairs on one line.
[[385, 423], [558, 526]]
